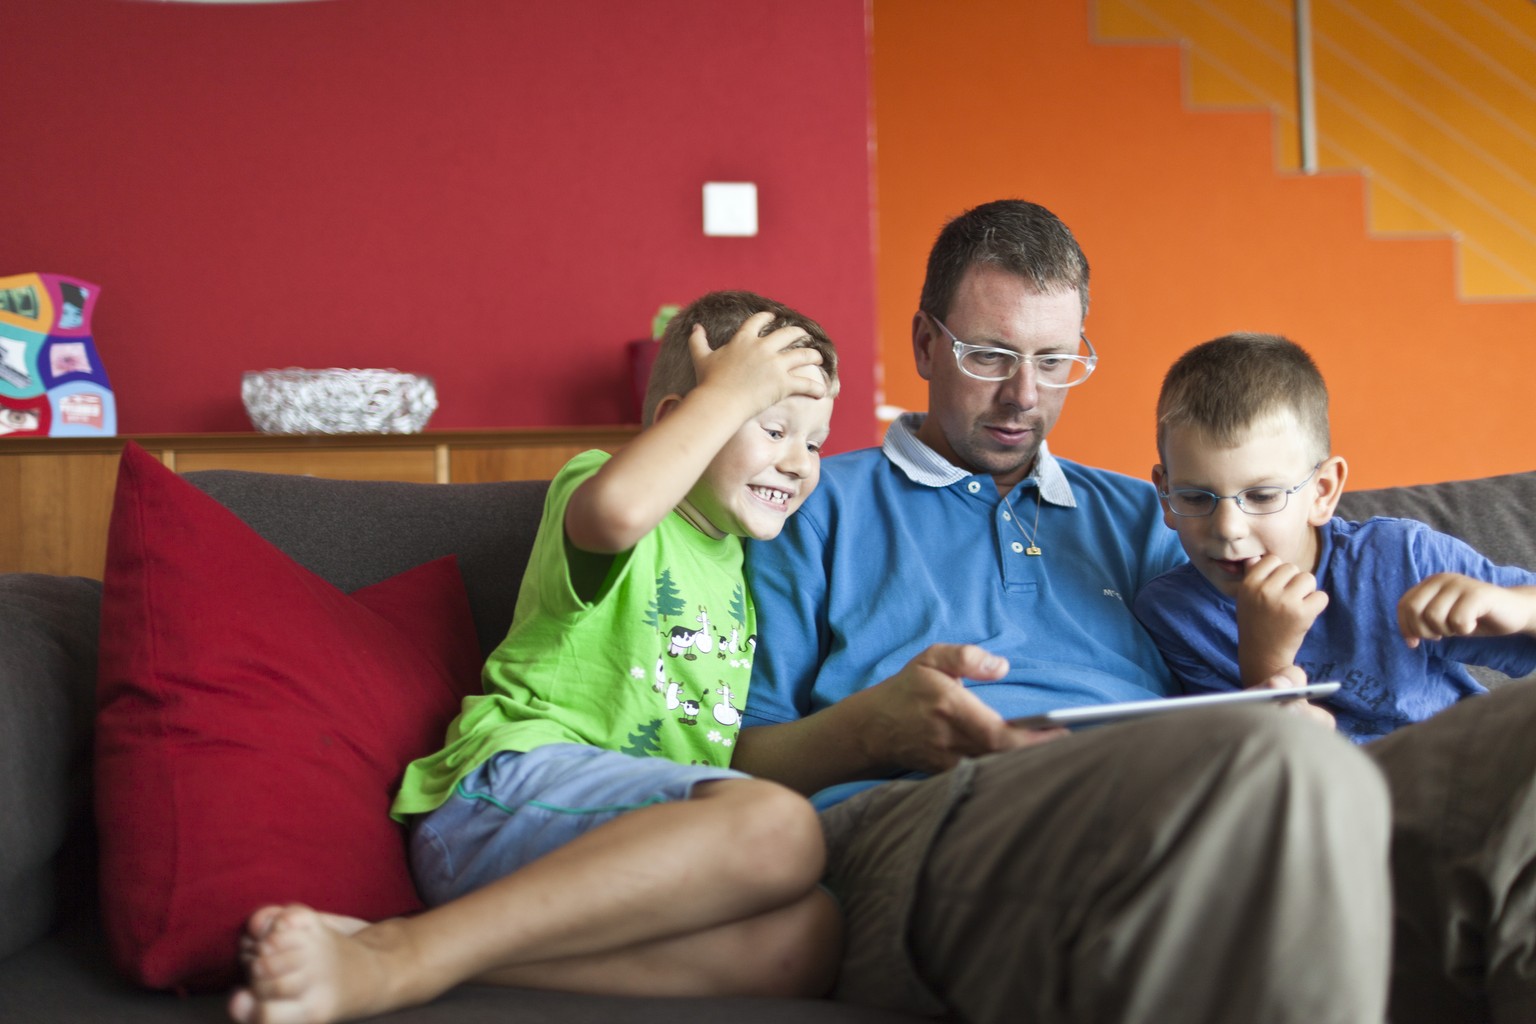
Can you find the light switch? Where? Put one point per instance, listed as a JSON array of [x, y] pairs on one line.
[[730, 208]]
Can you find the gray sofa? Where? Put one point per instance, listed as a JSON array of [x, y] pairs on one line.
[[53, 963]]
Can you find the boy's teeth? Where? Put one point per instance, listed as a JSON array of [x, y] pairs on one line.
[[778, 497]]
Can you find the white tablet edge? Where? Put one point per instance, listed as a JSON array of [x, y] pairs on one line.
[[1096, 714]]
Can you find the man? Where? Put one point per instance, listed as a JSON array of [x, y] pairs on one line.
[[1207, 866]]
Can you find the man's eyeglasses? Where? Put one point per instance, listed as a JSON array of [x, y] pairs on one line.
[[1052, 369], [1193, 503]]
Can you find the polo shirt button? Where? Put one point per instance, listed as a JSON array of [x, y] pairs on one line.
[[974, 486], [1017, 547], [1007, 518]]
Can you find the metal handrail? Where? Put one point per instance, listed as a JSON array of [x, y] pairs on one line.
[[1306, 106]]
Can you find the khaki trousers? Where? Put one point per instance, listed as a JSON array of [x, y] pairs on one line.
[[1464, 861], [1221, 865]]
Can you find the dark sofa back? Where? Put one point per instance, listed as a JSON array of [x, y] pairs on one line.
[[355, 533], [1496, 515]]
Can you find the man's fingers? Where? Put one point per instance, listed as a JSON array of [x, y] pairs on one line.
[[978, 728], [963, 661]]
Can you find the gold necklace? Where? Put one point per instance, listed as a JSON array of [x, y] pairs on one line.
[[1032, 549]]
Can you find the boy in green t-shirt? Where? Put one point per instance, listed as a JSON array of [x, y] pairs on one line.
[[580, 828]]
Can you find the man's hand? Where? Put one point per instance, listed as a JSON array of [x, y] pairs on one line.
[[924, 718], [764, 370], [1277, 603], [1450, 604], [1289, 678]]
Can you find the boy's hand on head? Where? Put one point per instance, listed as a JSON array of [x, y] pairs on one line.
[[1450, 604], [1277, 603], [763, 370]]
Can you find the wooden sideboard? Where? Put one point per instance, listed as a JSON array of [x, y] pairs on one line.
[[56, 493]]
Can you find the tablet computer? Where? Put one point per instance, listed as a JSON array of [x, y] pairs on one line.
[[1098, 714]]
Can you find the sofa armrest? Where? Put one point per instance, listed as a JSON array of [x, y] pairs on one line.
[[48, 633]]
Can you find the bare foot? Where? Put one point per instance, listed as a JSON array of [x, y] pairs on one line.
[[260, 923], [306, 967]]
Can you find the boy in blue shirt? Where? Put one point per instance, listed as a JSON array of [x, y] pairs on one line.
[[1388, 607], [581, 828]]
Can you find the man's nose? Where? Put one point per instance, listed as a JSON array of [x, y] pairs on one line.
[[1021, 389]]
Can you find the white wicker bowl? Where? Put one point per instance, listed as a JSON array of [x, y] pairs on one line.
[[337, 401]]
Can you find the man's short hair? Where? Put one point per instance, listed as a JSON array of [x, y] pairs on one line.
[[1022, 238], [721, 314], [1224, 386]]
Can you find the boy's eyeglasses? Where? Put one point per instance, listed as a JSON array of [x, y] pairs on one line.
[[1193, 503], [1052, 369]]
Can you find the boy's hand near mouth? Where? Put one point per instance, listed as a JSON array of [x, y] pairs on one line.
[[1276, 605]]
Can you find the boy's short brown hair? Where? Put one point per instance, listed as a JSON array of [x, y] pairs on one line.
[[721, 314], [1224, 386]]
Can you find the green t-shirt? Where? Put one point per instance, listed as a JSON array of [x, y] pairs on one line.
[[655, 664]]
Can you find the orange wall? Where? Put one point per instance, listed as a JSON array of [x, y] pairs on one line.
[[1191, 234], [1436, 97]]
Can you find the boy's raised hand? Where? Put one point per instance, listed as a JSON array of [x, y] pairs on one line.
[[1276, 605], [1450, 604], [763, 370]]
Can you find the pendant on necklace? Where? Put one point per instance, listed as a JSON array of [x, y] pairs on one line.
[[1029, 538]]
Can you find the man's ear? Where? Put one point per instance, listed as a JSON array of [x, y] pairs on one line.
[[924, 338], [1160, 481], [1330, 488], [665, 407]]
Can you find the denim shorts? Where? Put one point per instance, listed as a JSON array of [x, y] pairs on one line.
[[517, 807]]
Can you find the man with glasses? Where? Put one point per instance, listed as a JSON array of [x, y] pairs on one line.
[[1274, 580], [1212, 866]]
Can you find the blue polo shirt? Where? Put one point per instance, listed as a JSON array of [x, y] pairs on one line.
[[898, 549]]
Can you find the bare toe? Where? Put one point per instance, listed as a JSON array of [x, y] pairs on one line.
[[242, 1006]]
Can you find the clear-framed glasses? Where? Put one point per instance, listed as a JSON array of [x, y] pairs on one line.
[[1052, 369], [1193, 503]]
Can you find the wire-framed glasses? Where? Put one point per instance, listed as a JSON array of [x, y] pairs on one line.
[[1052, 369], [1193, 503]]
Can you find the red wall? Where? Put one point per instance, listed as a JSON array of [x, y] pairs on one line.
[[495, 193]]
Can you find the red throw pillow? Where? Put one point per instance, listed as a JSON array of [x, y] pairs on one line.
[[253, 724]]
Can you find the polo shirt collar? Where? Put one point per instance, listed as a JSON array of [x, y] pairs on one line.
[[923, 465]]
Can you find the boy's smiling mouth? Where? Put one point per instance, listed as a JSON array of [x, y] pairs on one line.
[[772, 495]]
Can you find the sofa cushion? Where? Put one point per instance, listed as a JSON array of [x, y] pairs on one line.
[[254, 721], [47, 678]]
